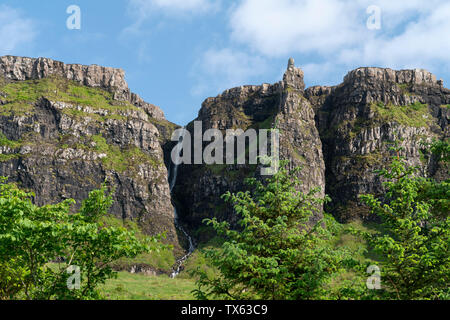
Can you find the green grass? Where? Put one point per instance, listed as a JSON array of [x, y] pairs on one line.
[[414, 115], [16, 108], [141, 287], [405, 87], [129, 286], [355, 244], [4, 142], [8, 157], [21, 96], [163, 260], [115, 158], [198, 261], [446, 106], [119, 159]]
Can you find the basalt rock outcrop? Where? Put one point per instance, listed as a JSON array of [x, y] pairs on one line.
[[339, 135], [359, 119], [282, 106], [110, 79], [65, 129]]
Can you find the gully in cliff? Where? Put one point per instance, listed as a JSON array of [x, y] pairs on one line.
[[172, 182]]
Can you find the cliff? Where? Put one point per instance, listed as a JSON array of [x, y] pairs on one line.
[[359, 119], [110, 79], [281, 105], [339, 135], [64, 129]]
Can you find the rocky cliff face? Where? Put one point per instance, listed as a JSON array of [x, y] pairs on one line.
[[110, 79], [339, 135], [281, 105], [359, 118], [64, 129]]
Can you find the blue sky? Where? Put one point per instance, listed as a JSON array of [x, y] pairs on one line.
[[176, 53]]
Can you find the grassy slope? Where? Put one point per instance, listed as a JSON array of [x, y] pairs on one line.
[[130, 286], [83, 102], [414, 115], [21, 95], [161, 261], [140, 287]]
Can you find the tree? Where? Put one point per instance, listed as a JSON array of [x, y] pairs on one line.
[[33, 238], [277, 252], [415, 241]]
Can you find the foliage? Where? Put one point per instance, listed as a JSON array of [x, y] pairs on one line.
[[415, 244], [122, 159], [441, 149], [278, 251], [350, 283], [5, 142], [414, 115], [31, 237]]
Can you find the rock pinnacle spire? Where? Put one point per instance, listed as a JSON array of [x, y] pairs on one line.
[[291, 63]]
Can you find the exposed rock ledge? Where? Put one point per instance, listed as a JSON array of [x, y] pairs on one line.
[[111, 79], [415, 76]]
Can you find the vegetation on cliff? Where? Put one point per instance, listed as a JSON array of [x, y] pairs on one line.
[[414, 115], [19, 97]]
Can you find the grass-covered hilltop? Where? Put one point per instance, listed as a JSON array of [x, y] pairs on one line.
[[363, 183]]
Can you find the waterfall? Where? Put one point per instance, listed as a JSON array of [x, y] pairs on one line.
[[172, 182]]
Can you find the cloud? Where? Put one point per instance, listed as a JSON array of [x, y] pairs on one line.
[[15, 30], [331, 35], [423, 43], [276, 28], [220, 69]]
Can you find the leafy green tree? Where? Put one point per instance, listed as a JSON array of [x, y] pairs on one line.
[[416, 237], [33, 238], [278, 251]]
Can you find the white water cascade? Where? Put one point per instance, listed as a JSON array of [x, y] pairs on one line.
[[172, 182]]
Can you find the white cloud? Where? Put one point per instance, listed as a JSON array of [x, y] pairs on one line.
[[15, 30], [332, 35], [276, 28], [220, 69]]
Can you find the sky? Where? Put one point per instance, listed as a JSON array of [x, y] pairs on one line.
[[176, 53]]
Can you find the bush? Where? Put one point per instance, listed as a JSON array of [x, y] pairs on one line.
[[33, 239]]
